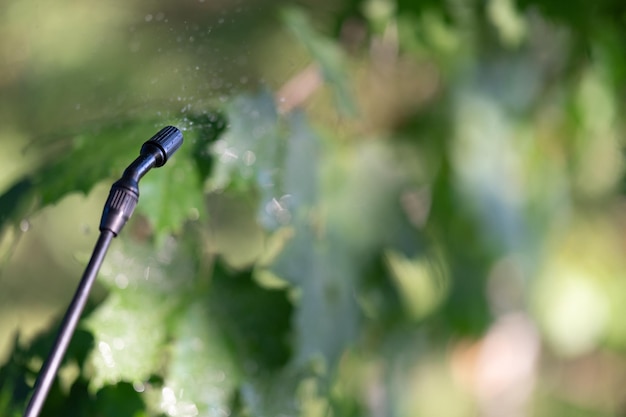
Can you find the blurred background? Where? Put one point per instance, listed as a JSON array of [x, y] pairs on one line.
[[382, 207]]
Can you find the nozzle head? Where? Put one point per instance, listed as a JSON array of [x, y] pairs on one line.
[[163, 144]]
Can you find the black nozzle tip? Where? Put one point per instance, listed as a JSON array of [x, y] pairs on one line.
[[167, 141]]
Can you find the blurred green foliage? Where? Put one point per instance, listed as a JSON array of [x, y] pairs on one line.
[[382, 208]]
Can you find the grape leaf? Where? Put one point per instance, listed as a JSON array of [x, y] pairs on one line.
[[256, 319], [130, 327], [201, 374], [93, 156], [168, 197], [314, 262], [130, 337], [15, 202], [327, 315]]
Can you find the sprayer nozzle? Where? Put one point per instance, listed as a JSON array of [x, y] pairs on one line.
[[166, 141]]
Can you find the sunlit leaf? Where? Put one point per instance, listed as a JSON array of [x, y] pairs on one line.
[[129, 342], [201, 374], [423, 283]]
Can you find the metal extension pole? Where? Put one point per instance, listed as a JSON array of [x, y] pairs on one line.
[[74, 311]]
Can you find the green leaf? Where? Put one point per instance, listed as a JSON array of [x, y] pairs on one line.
[[270, 394], [130, 327], [168, 196], [15, 202], [133, 269], [130, 338], [93, 156], [327, 315], [256, 319], [201, 374], [90, 157], [14, 388], [315, 262], [119, 400]]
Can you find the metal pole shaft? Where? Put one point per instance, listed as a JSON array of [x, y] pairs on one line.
[[72, 316]]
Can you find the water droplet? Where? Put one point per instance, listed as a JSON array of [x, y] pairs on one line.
[[286, 200], [168, 397], [229, 155], [121, 281], [273, 206], [139, 386], [194, 213], [24, 225], [148, 18], [249, 158], [107, 356], [276, 208], [159, 16]]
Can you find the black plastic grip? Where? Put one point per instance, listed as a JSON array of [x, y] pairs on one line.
[[118, 208]]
